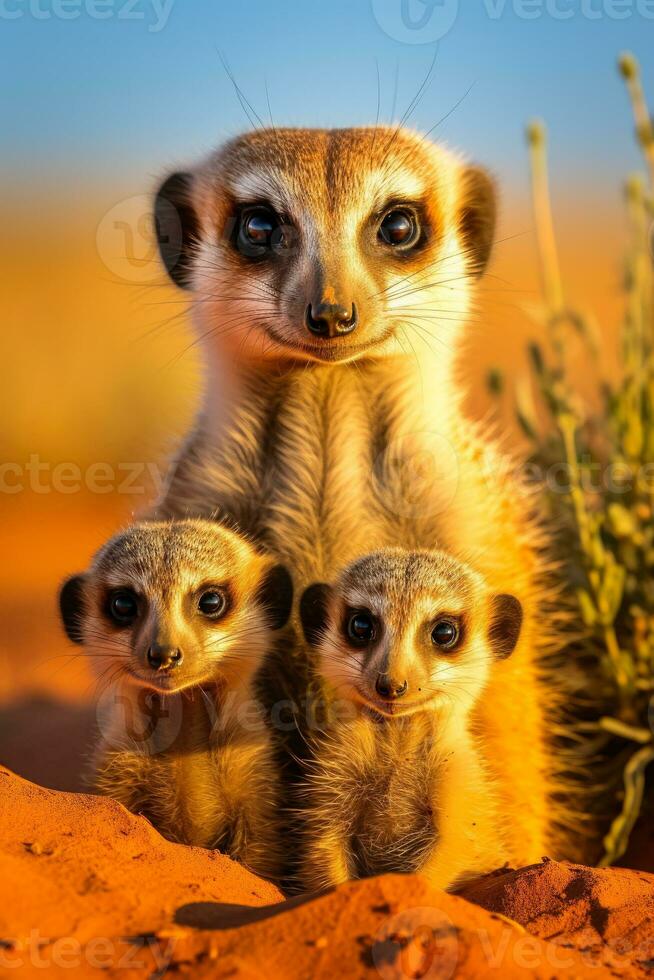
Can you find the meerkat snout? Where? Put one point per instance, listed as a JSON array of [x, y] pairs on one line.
[[331, 319], [390, 688], [162, 656]]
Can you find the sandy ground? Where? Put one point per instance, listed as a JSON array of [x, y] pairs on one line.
[[87, 887]]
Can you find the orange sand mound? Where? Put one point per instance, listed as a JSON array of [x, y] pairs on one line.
[[608, 912], [88, 888]]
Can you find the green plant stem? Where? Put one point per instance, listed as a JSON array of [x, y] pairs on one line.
[[549, 260], [623, 677], [644, 128], [617, 839], [641, 735]]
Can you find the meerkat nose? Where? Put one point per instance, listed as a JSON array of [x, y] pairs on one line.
[[162, 657], [330, 319], [387, 687]]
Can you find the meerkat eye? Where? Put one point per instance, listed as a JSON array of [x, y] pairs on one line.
[[361, 628], [212, 604], [258, 231], [445, 634], [123, 607], [399, 229], [258, 227]]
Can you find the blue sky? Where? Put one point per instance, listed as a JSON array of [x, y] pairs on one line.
[[123, 97]]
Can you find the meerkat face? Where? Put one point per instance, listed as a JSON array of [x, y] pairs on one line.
[[327, 245], [175, 605], [402, 632]]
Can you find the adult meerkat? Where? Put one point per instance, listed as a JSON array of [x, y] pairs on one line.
[[176, 616], [330, 274], [407, 642]]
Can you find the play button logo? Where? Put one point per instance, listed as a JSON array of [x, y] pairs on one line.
[[416, 21]]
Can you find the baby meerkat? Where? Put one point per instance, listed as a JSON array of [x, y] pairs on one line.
[[407, 642], [178, 616]]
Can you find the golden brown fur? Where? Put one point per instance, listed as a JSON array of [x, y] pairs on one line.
[[186, 745], [398, 783], [324, 449], [203, 780]]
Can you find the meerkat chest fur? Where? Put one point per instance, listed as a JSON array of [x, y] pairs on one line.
[[396, 793], [186, 764], [318, 463], [394, 821]]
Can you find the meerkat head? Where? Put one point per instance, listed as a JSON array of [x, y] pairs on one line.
[[327, 245], [178, 604], [403, 631]]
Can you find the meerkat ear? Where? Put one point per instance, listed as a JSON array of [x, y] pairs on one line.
[[477, 217], [176, 227], [314, 610], [276, 596], [505, 625], [71, 607]]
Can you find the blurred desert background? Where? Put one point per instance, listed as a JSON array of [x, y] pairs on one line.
[[99, 372]]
